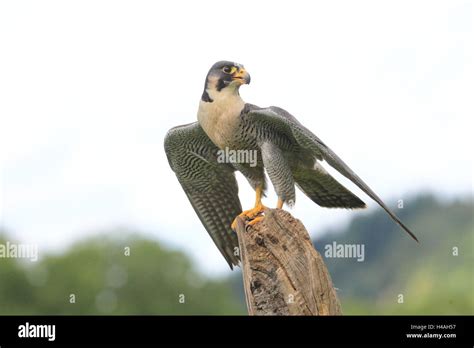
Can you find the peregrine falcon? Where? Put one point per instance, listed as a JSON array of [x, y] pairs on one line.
[[290, 154]]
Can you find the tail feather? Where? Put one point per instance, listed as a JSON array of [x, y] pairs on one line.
[[324, 190]]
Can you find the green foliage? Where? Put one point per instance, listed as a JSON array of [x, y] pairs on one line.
[[104, 280], [151, 279], [431, 279]]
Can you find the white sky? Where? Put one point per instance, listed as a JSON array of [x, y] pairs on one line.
[[88, 90]]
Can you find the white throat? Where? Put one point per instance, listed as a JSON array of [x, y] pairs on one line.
[[220, 118]]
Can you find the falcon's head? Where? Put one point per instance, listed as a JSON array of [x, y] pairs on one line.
[[224, 76]]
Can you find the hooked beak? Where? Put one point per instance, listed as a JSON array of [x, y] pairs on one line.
[[242, 76]]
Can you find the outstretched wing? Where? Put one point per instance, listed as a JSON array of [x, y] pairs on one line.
[[211, 187], [287, 123]]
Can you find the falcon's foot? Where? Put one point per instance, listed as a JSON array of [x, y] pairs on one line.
[[280, 203], [252, 215], [254, 221]]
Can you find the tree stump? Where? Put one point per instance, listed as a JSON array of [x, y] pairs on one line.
[[283, 274]]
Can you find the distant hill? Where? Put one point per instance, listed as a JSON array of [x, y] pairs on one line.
[[429, 277]]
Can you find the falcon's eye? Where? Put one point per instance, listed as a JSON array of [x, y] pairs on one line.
[[228, 69]]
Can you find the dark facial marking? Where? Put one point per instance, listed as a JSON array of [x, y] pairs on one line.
[[224, 78], [223, 81], [205, 96]]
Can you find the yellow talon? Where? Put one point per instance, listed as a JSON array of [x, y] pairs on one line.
[[254, 213], [254, 221]]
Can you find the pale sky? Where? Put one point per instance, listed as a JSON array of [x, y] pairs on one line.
[[88, 90]]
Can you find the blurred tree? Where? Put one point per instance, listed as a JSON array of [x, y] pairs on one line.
[[431, 278], [15, 290], [108, 275], [151, 279]]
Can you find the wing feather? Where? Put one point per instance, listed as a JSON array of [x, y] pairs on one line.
[[306, 139], [210, 186]]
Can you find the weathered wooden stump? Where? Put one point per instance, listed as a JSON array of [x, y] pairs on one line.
[[283, 274]]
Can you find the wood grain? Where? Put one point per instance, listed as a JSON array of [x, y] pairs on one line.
[[282, 272]]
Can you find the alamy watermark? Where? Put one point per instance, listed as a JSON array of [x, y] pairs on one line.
[[28, 330], [354, 251], [237, 156], [19, 251]]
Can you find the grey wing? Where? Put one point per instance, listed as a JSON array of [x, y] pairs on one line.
[[305, 138], [210, 186], [324, 190]]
